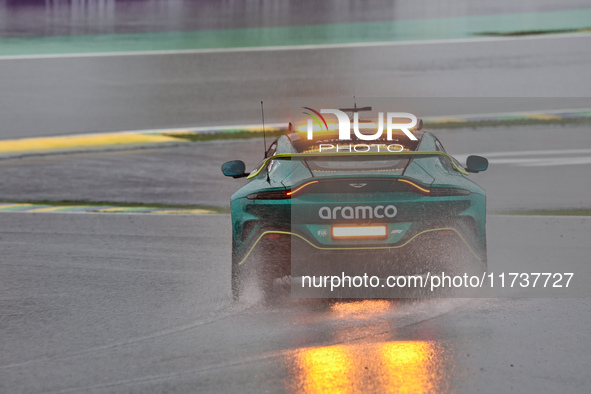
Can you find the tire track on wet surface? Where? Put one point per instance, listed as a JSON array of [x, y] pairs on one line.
[[359, 323]]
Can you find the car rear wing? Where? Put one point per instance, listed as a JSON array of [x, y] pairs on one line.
[[411, 154]]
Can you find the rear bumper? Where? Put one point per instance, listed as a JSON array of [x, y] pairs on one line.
[[302, 218], [424, 249]]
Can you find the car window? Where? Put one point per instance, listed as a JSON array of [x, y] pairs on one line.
[[444, 161], [272, 149], [355, 165], [438, 146]]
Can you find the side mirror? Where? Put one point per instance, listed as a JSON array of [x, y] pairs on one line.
[[476, 164], [234, 168]]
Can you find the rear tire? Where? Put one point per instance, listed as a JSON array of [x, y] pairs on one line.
[[236, 288], [236, 274], [270, 260], [256, 270]]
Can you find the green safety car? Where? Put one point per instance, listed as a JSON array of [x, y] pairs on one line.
[[386, 207]]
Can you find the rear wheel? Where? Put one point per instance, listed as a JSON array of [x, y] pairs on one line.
[[446, 252], [236, 290], [267, 263]]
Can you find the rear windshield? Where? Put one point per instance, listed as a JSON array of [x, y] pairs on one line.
[[378, 165], [353, 165]]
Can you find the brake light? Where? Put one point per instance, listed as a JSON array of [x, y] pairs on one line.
[[270, 195], [437, 191], [282, 194]]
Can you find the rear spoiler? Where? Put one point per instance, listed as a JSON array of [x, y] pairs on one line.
[[288, 156]]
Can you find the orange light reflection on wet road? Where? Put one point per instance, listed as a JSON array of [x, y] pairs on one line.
[[361, 309], [408, 366], [361, 366]]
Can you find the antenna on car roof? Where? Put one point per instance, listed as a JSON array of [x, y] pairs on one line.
[[264, 136], [355, 109]]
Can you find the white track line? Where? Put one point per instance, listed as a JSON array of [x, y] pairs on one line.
[[295, 47]]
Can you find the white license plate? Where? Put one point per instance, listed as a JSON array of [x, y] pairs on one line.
[[351, 232]]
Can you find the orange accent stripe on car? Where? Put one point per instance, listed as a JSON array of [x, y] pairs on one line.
[[415, 185], [300, 188]]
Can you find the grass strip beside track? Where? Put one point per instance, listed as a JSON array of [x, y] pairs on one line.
[[223, 135], [548, 212], [43, 206], [443, 124], [73, 143], [412, 30], [473, 124], [521, 33]]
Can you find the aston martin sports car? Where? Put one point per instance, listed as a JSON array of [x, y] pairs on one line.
[[387, 207]]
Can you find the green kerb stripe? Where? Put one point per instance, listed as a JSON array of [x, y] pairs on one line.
[[343, 33]]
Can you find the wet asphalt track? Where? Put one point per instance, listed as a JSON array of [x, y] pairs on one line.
[[138, 303], [83, 95]]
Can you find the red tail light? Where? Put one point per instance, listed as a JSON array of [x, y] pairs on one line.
[[436, 191], [282, 194]]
